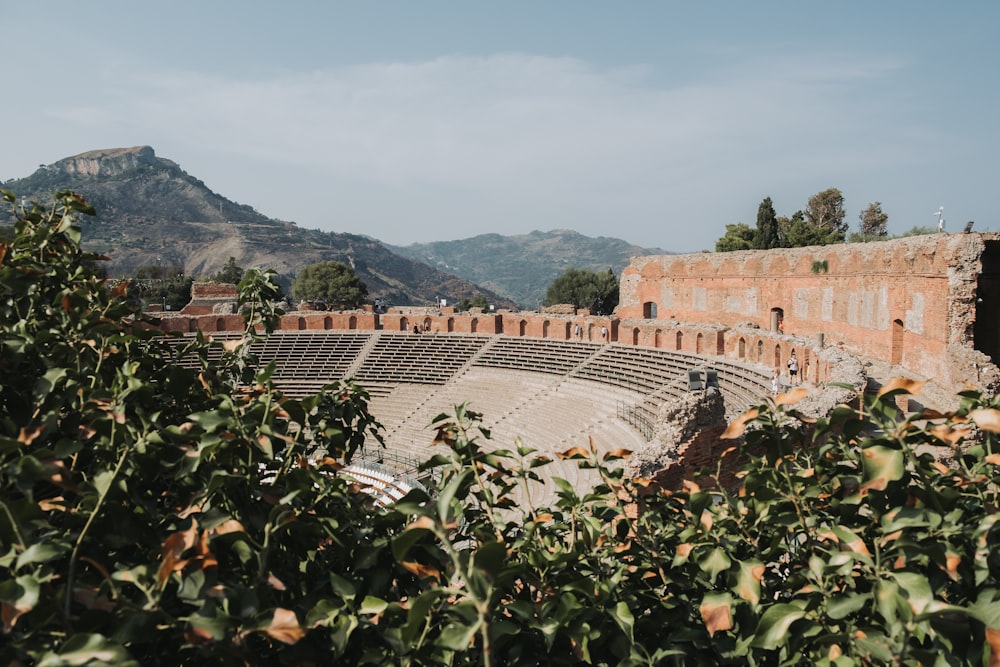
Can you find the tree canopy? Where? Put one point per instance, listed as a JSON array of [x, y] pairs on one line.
[[596, 291], [738, 236], [873, 221], [821, 223], [333, 284], [230, 273], [825, 212], [162, 502], [767, 235]]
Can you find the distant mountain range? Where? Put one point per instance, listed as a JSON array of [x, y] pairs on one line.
[[152, 212], [523, 266]]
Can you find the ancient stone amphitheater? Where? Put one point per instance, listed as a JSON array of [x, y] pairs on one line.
[[688, 327]]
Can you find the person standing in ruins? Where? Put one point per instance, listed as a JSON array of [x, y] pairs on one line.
[[776, 382], [793, 369]]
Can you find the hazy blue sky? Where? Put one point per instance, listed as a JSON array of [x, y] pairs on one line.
[[656, 122]]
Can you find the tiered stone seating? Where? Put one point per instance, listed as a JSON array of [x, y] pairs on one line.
[[537, 355], [420, 358], [554, 395], [641, 368]]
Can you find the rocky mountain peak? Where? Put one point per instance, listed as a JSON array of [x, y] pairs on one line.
[[106, 163]]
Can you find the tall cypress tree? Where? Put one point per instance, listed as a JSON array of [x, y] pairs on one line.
[[767, 235]]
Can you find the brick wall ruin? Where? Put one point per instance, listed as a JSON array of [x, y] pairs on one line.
[[927, 304], [911, 302]]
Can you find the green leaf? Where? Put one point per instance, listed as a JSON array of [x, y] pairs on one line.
[[448, 493], [372, 605], [882, 465], [420, 614], [772, 631], [402, 543], [841, 606], [714, 562], [623, 617], [491, 558], [45, 384], [102, 481], [41, 552], [92, 650]]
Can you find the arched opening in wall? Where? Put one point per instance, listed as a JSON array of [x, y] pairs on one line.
[[220, 324], [590, 332], [427, 324], [404, 324], [986, 327], [522, 326], [896, 352], [777, 356], [760, 352], [569, 327], [192, 325], [545, 329], [777, 320], [352, 322], [741, 348], [451, 324], [680, 341], [657, 338], [302, 323], [649, 310], [327, 322], [635, 336], [474, 325], [699, 344]]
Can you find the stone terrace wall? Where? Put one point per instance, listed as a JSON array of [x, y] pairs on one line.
[[908, 301]]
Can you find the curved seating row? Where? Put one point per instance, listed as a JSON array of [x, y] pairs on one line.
[[552, 394]]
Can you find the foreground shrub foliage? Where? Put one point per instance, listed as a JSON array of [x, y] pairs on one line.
[[159, 513]]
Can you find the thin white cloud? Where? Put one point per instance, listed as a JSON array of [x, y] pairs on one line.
[[484, 141]]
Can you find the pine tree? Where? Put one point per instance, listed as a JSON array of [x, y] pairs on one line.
[[766, 236]]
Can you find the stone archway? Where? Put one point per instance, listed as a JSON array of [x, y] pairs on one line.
[[522, 328], [699, 344], [404, 324], [352, 322], [777, 320], [741, 348], [680, 341], [635, 336], [327, 322], [474, 325], [302, 323]]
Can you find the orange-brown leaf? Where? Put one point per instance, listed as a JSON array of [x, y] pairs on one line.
[[421, 570], [791, 397], [993, 639], [173, 548], [737, 427], [908, 386], [947, 433], [717, 617], [987, 419], [285, 627], [573, 453]]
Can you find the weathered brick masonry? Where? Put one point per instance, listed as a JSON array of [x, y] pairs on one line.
[[926, 303]]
